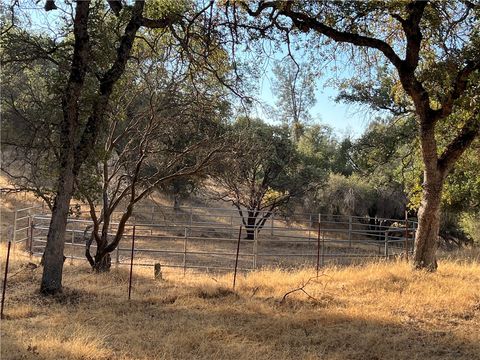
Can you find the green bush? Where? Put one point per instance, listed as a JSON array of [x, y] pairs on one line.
[[470, 224]]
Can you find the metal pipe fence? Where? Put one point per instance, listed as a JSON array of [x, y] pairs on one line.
[[207, 240]]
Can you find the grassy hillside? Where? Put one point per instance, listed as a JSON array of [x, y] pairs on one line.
[[377, 311]]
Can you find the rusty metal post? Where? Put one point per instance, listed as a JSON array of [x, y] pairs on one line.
[[406, 235], [185, 251], [131, 264], [5, 279], [32, 226], [255, 248], [236, 257], [318, 248]]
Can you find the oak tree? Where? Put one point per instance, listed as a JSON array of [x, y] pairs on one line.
[[433, 49]]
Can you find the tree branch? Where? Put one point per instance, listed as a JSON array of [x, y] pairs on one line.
[[458, 146], [458, 87]]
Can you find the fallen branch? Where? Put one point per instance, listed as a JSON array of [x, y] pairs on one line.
[[302, 289]]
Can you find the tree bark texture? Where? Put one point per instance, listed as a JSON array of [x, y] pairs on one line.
[[53, 256], [428, 222], [74, 154]]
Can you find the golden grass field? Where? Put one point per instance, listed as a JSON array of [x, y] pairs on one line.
[[375, 311]]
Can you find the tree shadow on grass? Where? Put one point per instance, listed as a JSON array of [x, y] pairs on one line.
[[218, 324], [93, 319]]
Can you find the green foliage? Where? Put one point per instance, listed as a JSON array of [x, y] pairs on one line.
[[462, 188], [264, 171], [470, 224], [359, 196], [323, 152], [162, 8]]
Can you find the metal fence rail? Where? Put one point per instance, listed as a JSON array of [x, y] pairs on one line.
[[207, 238]]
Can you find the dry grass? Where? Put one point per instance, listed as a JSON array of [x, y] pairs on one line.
[[376, 311]]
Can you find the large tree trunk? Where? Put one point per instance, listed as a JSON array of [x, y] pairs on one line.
[[103, 262], [73, 156], [250, 228], [428, 224], [429, 213], [103, 259], [53, 255]]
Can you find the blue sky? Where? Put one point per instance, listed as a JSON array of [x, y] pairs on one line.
[[346, 120]]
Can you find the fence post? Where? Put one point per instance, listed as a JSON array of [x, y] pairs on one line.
[[117, 255], [236, 257], [185, 252], [414, 227], [386, 245], [73, 245], [14, 225], [318, 248], [5, 279], [350, 230], [273, 224], [323, 250], [30, 250], [27, 240], [255, 247], [406, 235], [131, 264]]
